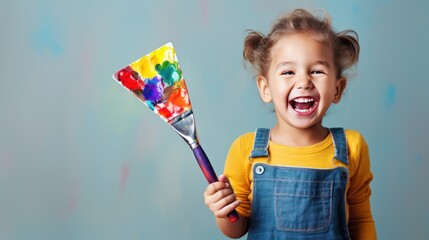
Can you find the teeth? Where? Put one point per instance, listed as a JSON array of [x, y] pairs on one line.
[[303, 100], [302, 110]]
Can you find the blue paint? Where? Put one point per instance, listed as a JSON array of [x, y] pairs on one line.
[[150, 105], [419, 158], [153, 90], [390, 96], [46, 37]]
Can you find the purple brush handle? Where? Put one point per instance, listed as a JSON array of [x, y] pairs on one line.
[[210, 174]]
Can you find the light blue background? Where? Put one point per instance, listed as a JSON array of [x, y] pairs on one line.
[[81, 158]]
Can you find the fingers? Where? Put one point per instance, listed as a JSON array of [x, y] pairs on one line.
[[222, 206], [221, 210], [224, 179], [216, 191], [220, 197], [212, 188]]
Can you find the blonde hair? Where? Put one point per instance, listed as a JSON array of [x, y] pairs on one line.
[[344, 44]]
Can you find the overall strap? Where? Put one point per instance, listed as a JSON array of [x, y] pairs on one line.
[[260, 145], [340, 144]]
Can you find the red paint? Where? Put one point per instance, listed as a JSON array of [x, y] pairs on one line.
[[166, 110], [125, 171], [72, 202], [205, 9], [130, 79]]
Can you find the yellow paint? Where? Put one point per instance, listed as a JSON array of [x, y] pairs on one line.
[[145, 66]]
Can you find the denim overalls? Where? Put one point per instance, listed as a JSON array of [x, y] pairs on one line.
[[298, 203]]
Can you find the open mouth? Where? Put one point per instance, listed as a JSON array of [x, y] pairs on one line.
[[303, 104]]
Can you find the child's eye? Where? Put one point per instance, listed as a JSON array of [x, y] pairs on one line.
[[317, 72], [287, 73]]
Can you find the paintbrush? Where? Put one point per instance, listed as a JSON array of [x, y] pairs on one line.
[[157, 80]]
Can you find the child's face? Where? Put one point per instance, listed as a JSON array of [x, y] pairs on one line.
[[301, 81]]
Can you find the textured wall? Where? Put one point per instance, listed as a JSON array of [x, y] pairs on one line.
[[81, 158]]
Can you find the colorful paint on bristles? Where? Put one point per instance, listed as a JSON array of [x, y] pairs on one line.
[[157, 80]]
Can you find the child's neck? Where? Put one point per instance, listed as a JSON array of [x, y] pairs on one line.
[[291, 136]]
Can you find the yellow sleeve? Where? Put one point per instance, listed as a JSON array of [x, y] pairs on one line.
[[361, 223], [237, 170]]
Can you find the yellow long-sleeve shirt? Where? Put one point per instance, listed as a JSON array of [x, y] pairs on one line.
[[238, 169]]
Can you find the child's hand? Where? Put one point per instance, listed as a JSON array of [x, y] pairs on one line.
[[220, 198]]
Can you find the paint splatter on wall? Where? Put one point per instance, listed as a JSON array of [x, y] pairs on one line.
[[390, 95], [47, 36]]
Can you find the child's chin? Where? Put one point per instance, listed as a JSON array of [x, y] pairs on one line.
[[307, 121]]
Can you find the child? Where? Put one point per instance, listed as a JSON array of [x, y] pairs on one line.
[[299, 180]]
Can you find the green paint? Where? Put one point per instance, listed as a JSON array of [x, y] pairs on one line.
[[170, 72]]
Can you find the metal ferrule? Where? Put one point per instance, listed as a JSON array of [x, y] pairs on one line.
[[184, 125]]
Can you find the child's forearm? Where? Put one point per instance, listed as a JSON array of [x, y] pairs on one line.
[[233, 230]]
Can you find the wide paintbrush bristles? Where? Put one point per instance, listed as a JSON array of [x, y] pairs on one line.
[[157, 80]]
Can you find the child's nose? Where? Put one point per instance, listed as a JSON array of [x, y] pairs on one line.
[[304, 82]]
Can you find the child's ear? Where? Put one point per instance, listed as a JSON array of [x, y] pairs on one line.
[[264, 90], [339, 88]]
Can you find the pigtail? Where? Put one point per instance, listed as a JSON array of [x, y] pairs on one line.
[[254, 50], [347, 50]]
